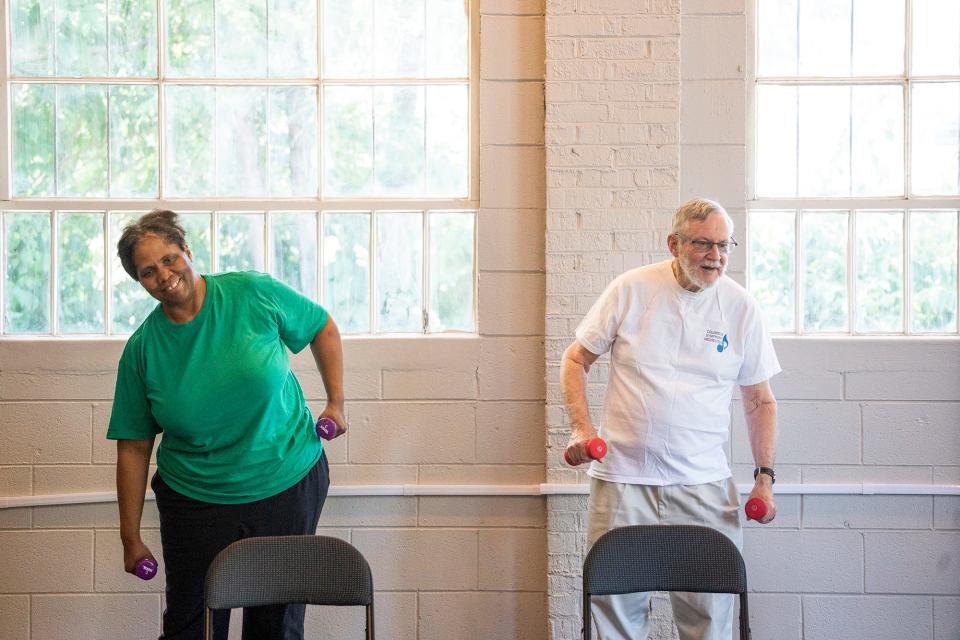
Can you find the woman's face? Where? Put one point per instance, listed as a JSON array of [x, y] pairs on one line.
[[165, 270]]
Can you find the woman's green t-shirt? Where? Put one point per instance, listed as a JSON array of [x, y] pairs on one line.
[[235, 424]]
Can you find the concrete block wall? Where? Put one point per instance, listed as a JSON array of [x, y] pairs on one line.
[[851, 410], [438, 410]]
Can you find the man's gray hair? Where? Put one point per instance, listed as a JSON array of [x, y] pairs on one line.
[[698, 209]]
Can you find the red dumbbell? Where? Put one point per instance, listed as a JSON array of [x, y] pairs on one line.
[[596, 449], [756, 509]]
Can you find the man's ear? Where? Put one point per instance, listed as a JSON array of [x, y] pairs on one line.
[[186, 250], [673, 243]]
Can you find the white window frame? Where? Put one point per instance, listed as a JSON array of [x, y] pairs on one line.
[[220, 204], [907, 203]]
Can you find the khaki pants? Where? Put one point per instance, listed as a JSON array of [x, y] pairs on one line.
[[698, 616]]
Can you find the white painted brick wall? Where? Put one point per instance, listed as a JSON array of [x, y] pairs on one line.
[[651, 98]]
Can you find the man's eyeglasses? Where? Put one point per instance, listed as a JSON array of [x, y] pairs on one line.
[[704, 246]]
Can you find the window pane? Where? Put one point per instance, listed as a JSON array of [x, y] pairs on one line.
[[292, 141], [448, 140], [447, 38], [241, 43], [772, 266], [131, 303], [133, 38], [776, 140], [936, 37], [399, 39], [197, 227], [26, 287], [933, 271], [31, 37], [776, 37], [33, 139], [824, 162], [348, 38], [398, 140], [294, 238], [80, 272], [451, 271], [399, 272], [190, 37], [824, 271], [878, 37], [81, 38], [133, 140], [82, 140], [346, 266], [190, 137], [877, 140], [824, 37], [348, 141], [241, 141], [879, 270], [241, 242], [293, 38], [936, 138]]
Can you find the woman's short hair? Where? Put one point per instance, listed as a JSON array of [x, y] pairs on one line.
[[698, 209], [159, 222]]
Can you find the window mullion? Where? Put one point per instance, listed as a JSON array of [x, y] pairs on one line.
[[907, 273], [374, 272], [107, 276], [851, 271], [798, 269], [425, 275], [54, 217]]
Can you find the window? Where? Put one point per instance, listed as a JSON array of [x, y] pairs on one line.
[[328, 142], [853, 218]]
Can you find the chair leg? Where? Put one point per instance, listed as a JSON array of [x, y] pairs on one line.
[[586, 616], [370, 627], [207, 623], [744, 618]]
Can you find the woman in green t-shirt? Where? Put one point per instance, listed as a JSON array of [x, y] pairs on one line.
[[239, 455]]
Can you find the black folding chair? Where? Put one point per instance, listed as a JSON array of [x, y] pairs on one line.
[[642, 558], [270, 570]]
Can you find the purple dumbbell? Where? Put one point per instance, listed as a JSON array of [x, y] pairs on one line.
[[326, 428], [146, 568]]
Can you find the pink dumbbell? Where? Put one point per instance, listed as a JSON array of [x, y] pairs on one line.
[[326, 428], [146, 568]]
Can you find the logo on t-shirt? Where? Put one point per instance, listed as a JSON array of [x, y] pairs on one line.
[[718, 338]]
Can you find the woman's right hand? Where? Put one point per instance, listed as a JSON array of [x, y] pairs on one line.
[[133, 552]]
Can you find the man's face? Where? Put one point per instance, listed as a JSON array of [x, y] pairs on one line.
[[700, 269]]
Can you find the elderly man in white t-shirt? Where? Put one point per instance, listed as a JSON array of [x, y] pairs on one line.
[[681, 336]]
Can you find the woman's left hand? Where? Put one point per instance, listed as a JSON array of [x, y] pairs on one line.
[[336, 414]]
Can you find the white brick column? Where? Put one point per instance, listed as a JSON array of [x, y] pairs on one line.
[[612, 170]]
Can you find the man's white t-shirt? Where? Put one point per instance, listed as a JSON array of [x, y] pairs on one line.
[[675, 358]]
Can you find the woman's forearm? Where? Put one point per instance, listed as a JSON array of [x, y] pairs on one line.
[[133, 462]]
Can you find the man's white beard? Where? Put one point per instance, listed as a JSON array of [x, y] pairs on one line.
[[689, 269]]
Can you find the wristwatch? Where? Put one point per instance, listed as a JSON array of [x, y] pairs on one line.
[[767, 470]]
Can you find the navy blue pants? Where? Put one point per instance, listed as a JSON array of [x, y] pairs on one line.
[[194, 532]]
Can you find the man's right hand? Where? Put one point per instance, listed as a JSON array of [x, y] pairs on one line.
[[576, 452]]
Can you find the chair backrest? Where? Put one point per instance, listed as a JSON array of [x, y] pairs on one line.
[[643, 558], [288, 570]]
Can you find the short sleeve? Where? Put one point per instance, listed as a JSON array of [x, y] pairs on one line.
[[598, 329], [299, 317], [130, 417], [760, 359]]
